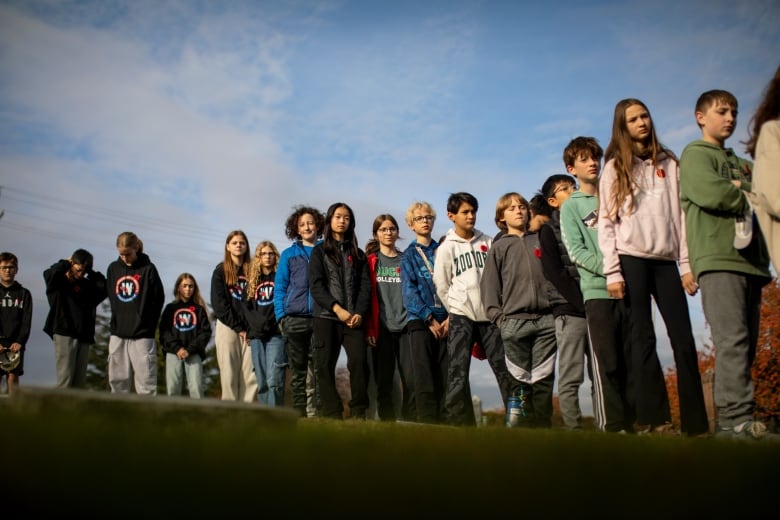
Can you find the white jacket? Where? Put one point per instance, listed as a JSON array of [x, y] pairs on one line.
[[457, 272], [765, 189]]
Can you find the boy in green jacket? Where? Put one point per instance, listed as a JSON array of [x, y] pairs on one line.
[[728, 258]]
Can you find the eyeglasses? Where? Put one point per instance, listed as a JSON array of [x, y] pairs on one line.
[[267, 253], [7, 267], [424, 218], [387, 230], [564, 187]]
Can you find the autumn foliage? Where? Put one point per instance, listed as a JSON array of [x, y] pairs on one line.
[[766, 366]]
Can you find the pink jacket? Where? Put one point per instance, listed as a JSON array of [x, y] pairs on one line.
[[655, 229]]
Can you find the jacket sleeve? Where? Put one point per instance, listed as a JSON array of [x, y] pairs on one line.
[[607, 224], [363, 299], [702, 184], [55, 276], [281, 283], [220, 301], [318, 280], [168, 339], [491, 289], [202, 336], [442, 273], [372, 320], [766, 173], [554, 269], [575, 242], [416, 309], [24, 328], [98, 283]]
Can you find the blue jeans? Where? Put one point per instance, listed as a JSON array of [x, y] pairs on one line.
[[270, 361], [176, 368]]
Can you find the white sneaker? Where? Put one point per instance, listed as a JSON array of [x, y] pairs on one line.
[[743, 228]]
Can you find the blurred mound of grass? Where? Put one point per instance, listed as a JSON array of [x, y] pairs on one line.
[[124, 458]]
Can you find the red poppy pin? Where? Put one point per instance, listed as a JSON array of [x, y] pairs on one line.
[[483, 248], [398, 270], [660, 172], [136, 277], [537, 252], [192, 309]]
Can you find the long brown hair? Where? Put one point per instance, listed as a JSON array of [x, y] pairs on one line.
[[622, 149], [767, 110], [228, 267], [196, 296], [256, 267], [130, 240]]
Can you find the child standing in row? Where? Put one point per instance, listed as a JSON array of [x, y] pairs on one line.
[[228, 286], [15, 321], [457, 271], [136, 295], [571, 327], [642, 238], [265, 340], [293, 304], [74, 291], [516, 296], [730, 271], [185, 332], [340, 285], [608, 326], [386, 323], [427, 319]]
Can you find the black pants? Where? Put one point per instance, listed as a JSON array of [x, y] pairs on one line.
[[660, 280], [429, 366], [329, 336], [391, 351], [297, 332]]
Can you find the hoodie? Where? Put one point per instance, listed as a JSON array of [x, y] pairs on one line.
[[259, 309], [513, 283], [72, 304], [579, 232], [655, 228], [711, 203], [15, 315], [457, 272], [136, 295], [185, 325]]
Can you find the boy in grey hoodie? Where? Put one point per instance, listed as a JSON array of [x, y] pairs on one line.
[[516, 296], [457, 270]]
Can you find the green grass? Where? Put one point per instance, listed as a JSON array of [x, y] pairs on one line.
[[161, 458]]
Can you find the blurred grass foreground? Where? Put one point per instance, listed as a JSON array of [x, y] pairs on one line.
[[84, 454]]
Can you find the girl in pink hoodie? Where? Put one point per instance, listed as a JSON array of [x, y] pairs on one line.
[[642, 237]]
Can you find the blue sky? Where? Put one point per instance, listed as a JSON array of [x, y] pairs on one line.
[[184, 120]]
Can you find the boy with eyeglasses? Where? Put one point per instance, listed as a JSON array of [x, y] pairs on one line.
[[427, 320], [15, 321]]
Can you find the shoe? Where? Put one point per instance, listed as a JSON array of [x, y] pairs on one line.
[[749, 429], [659, 429]]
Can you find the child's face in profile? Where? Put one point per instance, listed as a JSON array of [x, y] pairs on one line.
[[717, 122], [465, 218], [585, 168], [561, 194]]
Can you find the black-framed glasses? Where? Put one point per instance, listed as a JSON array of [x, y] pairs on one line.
[[387, 230]]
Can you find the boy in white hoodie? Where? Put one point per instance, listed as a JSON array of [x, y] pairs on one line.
[[457, 271]]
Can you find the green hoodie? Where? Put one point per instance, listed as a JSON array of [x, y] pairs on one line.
[[711, 203], [579, 216]]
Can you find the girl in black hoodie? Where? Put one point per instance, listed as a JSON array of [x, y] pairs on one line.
[[136, 295]]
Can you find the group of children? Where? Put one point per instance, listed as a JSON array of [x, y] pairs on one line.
[[569, 279]]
